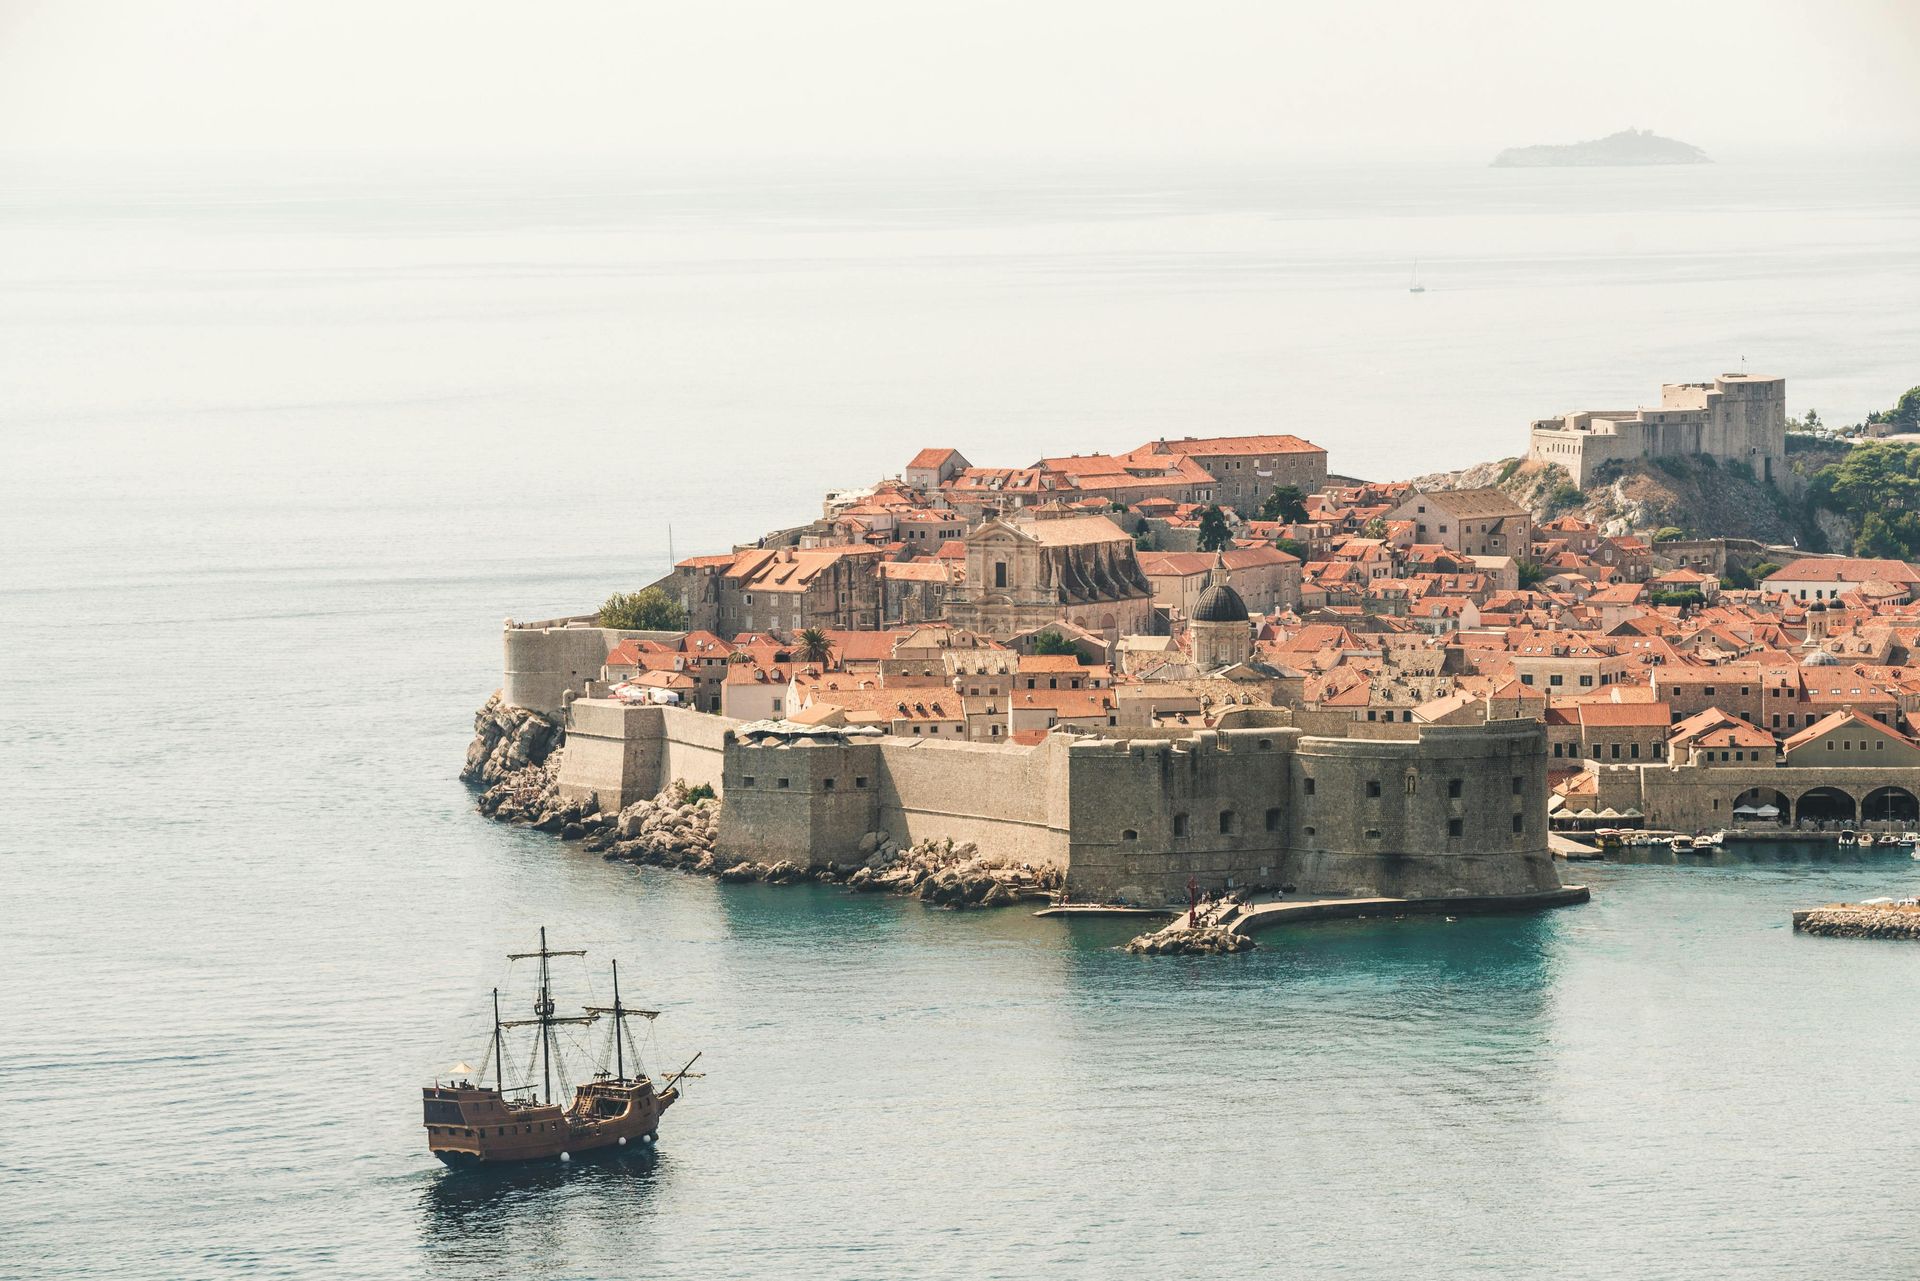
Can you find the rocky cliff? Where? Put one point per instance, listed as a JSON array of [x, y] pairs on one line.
[[1704, 498]]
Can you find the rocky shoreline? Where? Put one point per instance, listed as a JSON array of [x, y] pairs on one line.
[[1859, 921], [514, 759]]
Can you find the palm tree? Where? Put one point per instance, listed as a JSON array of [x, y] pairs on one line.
[[815, 646]]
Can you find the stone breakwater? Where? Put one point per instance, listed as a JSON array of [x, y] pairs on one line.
[[1860, 921], [515, 757], [1207, 940]]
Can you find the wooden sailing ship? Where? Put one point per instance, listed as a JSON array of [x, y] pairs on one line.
[[470, 1123]]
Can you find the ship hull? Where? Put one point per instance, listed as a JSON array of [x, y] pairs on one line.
[[467, 1125]]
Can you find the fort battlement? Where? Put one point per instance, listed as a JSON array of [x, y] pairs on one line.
[[1441, 810], [1735, 418]]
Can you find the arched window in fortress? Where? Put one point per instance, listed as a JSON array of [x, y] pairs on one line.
[[1412, 781], [1273, 820], [1179, 824], [1227, 822], [1129, 835]]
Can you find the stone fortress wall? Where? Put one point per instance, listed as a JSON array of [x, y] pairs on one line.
[[1443, 810], [545, 660], [1735, 418]]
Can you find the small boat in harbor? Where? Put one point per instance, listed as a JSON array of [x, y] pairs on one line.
[[1711, 841], [469, 1123], [1681, 845], [1847, 837], [1910, 838], [1887, 838]]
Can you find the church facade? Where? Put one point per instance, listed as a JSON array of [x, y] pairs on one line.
[[1045, 565]]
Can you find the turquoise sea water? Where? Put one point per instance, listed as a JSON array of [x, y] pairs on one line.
[[278, 458]]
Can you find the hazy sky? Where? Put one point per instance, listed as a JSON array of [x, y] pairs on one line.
[[832, 77]]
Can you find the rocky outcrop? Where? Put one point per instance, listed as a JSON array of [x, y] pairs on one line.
[[945, 874], [1644, 495], [507, 740], [1860, 921], [1208, 940]]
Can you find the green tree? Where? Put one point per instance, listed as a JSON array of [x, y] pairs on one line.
[[1215, 534], [1292, 547], [1375, 528], [1894, 535], [1878, 487], [1668, 534], [1054, 643], [1688, 597], [1532, 574], [1764, 568], [648, 610], [815, 646], [1906, 411], [1285, 504]]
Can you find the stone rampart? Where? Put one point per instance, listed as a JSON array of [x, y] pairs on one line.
[[1147, 815], [619, 753], [1448, 810], [1009, 801], [806, 803], [1458, 810], [545, 661]]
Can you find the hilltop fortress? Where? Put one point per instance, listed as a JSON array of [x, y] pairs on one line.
[[1735, 418]]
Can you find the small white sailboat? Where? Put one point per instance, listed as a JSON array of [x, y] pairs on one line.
[[1413, 281]]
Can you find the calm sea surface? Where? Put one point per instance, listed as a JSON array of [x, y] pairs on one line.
[[280, 451]]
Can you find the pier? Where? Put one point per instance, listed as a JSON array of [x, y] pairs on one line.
[[1250, 918]]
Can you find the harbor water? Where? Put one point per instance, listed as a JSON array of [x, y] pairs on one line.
[[280, 456]]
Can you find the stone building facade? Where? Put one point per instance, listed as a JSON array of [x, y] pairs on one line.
[[1735, 418], [1267, 579], [1471, 522], [835, 588], [1048, 565], [1246, 469]]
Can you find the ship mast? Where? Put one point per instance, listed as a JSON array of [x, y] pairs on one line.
[[543, 1011], [499, 1054], [620, 1014]]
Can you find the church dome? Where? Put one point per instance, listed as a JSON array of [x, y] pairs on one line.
[[1219, 604]]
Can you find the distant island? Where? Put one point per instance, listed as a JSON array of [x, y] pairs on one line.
[[1628, 147]]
